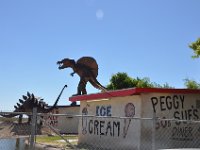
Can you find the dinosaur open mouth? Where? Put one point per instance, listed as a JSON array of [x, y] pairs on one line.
[[60, 64]]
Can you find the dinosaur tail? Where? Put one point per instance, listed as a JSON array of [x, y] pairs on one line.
[[56, 102], [97, 85]]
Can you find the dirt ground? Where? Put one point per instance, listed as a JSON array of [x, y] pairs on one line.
[[6, 129], [10, 129]]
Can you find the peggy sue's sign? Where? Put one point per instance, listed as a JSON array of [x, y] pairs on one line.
[[179, 107]]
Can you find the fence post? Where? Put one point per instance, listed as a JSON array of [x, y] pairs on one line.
[[33, 128], [154, 132]]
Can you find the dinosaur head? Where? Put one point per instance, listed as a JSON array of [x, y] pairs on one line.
[[65, 63]]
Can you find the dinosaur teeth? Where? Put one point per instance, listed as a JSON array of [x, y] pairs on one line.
[[60, 64]]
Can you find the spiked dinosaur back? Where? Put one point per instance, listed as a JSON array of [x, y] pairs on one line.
[[28, 102]]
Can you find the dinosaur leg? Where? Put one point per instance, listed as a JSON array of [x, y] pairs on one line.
[[20, 119], [78, 91], [84, 91], [82, 87], [29, 119]]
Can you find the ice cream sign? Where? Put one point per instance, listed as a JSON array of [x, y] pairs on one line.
[[104, 110], [104, 124]]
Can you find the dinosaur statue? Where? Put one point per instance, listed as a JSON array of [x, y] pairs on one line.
[[27, 103], [86, 68]]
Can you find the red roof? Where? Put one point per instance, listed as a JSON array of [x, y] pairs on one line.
[[131, 91]]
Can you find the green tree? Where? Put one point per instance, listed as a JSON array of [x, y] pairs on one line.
[[195, 46], [143, 83], [191, 84], [121, 80]]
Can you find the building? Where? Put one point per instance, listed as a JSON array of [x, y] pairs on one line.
[[140, 133], [65, 124]]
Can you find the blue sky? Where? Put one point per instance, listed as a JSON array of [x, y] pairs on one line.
[[142, 38]]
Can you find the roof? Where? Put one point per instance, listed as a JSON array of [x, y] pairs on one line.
[[130, 91], [65, 106]]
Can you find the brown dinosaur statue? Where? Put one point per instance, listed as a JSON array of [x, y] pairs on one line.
[[27, 103], [86, 68]]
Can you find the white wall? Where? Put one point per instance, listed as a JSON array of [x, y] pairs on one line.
[[139, 134], [63, 123], [172, 134], [106, 133]]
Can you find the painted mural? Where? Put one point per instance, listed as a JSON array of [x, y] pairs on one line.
[[52, 120], [129, 112], [84, 120], [111, 127], [179, 108]]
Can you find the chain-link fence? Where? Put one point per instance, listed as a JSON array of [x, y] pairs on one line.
[[16, 131], [46, 131]]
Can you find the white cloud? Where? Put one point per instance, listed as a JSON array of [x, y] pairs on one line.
[[99, 14]]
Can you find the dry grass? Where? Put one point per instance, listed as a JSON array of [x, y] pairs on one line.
[[56, 140]]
